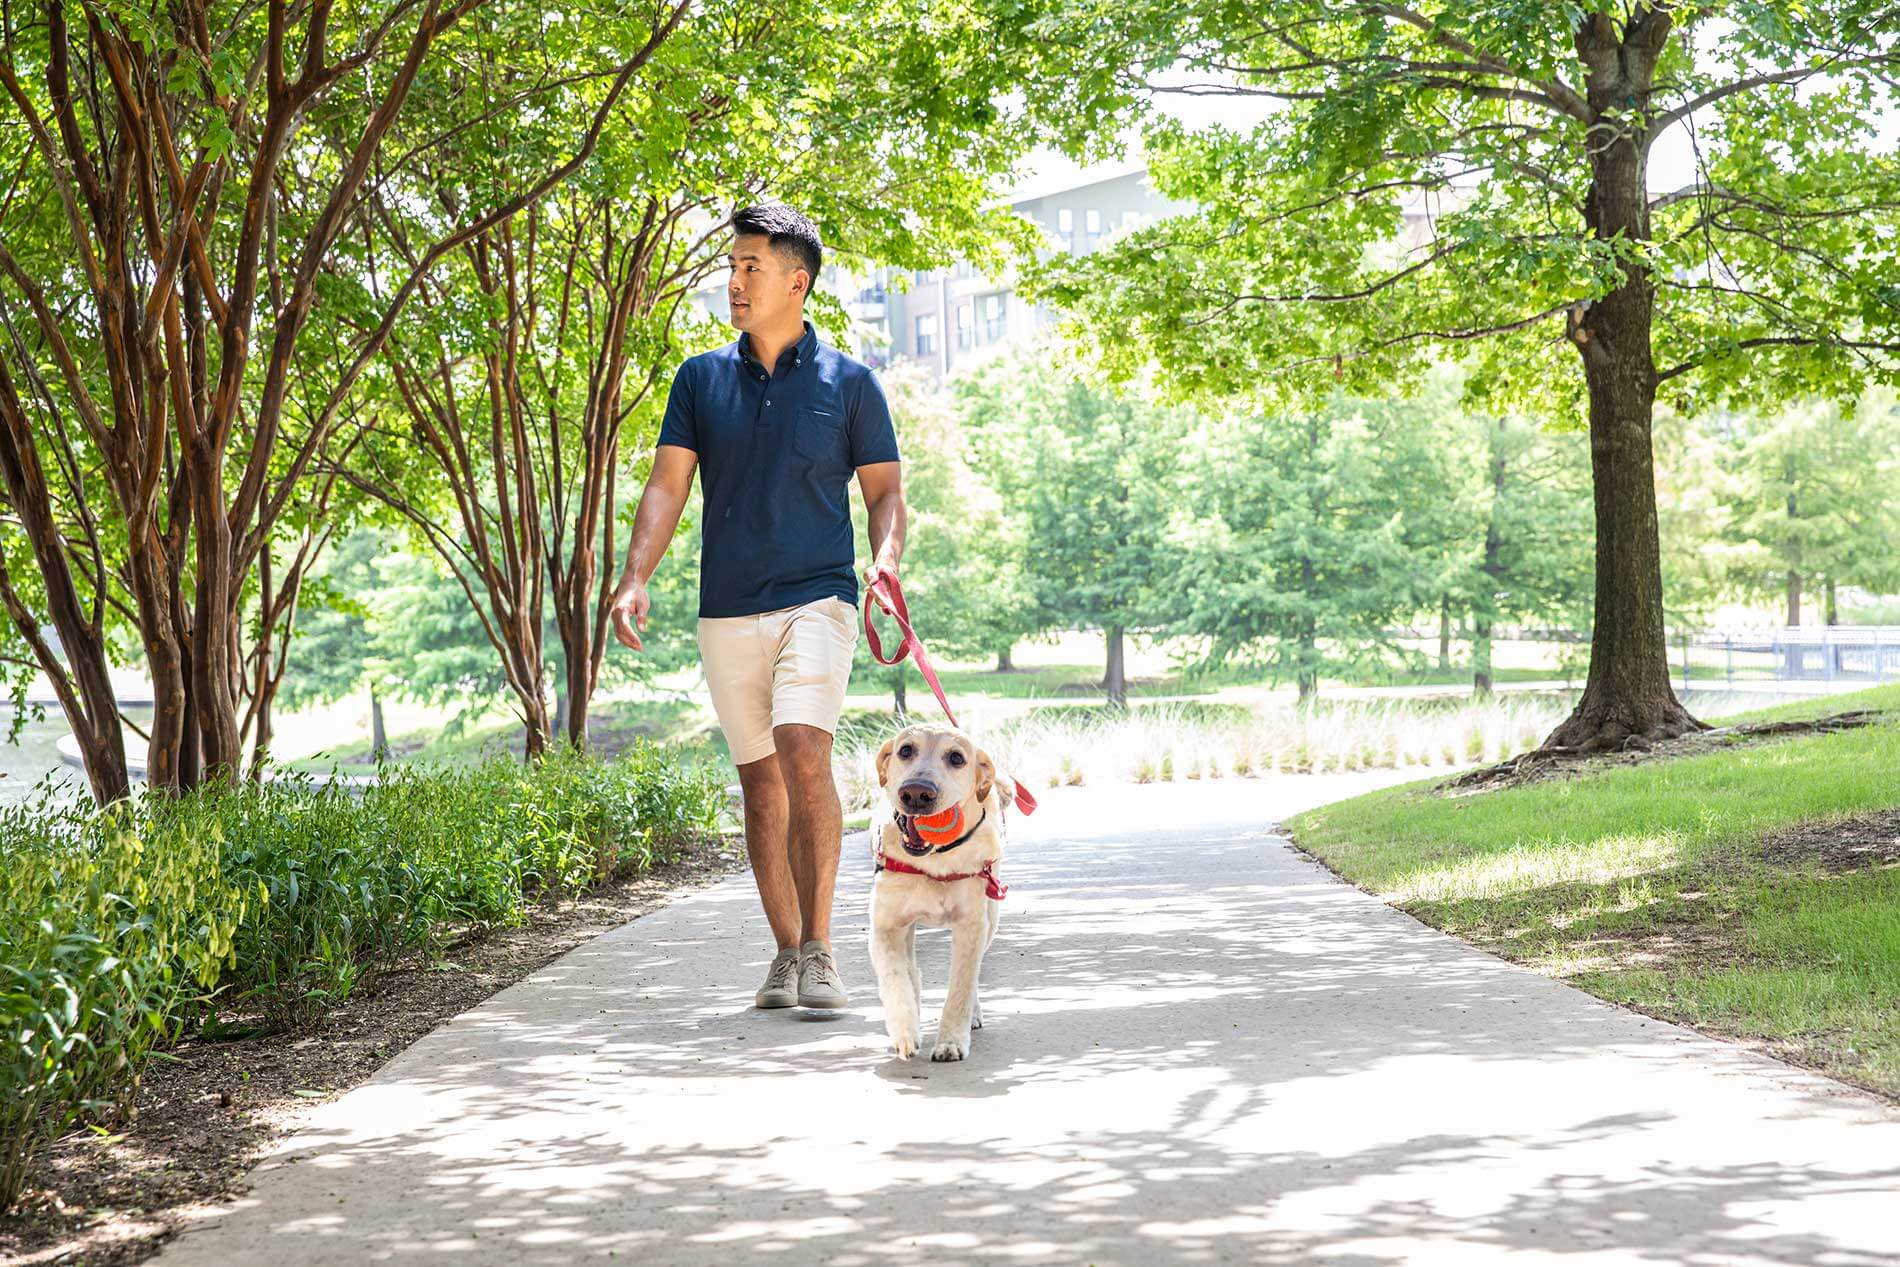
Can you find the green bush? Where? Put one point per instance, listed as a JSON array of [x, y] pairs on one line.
[[107, 933], [117, 925]]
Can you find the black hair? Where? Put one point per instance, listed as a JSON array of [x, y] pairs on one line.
[[786, 230]]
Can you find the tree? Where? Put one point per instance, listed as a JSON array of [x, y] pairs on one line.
[[543, 340], [1523, 140], [1093, 478], [1813, 501], [1297, 553], [963, 561], [181, 178]]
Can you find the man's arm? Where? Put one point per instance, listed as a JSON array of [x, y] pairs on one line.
[[654, 523], [882, 484]]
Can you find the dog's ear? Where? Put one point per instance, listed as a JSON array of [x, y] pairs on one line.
[[884, 760], [985, 776]]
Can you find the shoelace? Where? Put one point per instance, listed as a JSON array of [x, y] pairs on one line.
[[784, 969], [823, 967]]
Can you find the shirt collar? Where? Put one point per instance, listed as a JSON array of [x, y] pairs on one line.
[[797, 354]]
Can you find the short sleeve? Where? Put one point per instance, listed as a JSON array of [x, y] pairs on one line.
[[873, 437], [679, 427]]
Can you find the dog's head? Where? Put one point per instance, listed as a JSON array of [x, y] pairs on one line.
[[930, 769]]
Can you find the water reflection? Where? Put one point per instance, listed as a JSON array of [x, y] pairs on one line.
[[35, 758]]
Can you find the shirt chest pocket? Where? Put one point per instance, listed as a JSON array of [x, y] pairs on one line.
[[818, 434]]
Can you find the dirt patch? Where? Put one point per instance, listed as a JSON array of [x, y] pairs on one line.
[[1541, 764], [208, 1111], [1840, 844]]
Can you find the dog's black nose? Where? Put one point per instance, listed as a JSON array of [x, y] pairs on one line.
[[917, 795]]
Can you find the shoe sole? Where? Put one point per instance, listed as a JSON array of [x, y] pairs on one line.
[[836, 1003], [769, 1001]]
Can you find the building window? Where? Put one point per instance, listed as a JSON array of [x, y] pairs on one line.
[[994, 318], [927, 334], [966, 326], [1065, 227], [1130, 219], [1094, 220]]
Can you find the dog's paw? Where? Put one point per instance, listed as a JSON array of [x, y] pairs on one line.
[[951, 1049], [905, 1045]]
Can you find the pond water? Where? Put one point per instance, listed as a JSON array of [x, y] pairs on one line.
[[24, 764]]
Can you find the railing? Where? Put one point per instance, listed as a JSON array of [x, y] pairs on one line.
[[1798, 653]]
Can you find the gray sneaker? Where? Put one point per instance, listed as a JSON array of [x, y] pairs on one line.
[[818, 982], [781, 981]]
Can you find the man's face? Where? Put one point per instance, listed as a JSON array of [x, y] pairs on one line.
[[765, 287]]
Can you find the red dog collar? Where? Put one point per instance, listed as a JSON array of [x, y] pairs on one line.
[[991, 885]]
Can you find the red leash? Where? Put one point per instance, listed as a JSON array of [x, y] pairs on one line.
[[888, 594]]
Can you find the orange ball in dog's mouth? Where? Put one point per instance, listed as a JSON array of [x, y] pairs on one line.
[[933, 829]]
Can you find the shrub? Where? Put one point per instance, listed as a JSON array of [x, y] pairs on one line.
[[106, 934], [116, 925]]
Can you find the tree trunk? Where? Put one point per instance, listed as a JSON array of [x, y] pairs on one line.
[[1833, 605], [1003, 662], [191, 763], [900, 701], [1444, 635], [1492, 570], [537, 728], [378, 737], [82, 682], [1628, 693], [159, 605], [213, 633], [1115, 680], [1794, 598]]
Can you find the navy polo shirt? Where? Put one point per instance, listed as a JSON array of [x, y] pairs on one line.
[[776, 456]]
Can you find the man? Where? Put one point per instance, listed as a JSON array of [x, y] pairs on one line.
[[776, 423]]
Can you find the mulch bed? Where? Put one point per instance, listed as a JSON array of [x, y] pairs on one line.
[[209, 1113], [1562, 763], [1839, 844]]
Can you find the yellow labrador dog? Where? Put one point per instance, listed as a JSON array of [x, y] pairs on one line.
[[936, 865]]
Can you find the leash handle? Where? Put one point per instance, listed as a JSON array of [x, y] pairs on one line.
[[886, 592]]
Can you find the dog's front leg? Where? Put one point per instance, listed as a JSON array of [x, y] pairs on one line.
[[896, 988], [967, 940]]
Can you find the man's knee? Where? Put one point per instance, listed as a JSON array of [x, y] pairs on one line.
[[761, 783], [802, 749], [804, 754]]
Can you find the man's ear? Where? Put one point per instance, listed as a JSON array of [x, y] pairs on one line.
[[985, 776], [884, 760]]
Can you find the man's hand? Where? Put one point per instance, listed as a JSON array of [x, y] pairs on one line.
[[877, 569], [631, 605]]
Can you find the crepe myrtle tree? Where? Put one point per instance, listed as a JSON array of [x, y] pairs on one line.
[[178, 179], [1485, 177], [532, 367]]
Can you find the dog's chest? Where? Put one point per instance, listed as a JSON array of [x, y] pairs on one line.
[[913, 899]]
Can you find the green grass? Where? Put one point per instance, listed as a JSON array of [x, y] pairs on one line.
[[614, 725], [1648, 884]]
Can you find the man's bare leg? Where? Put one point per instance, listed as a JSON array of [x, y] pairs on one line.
[[816, 829], [766, 818]]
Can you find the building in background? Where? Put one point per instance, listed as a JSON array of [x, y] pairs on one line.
[[956, 316]]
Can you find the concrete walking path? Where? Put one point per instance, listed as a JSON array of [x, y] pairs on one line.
[[1201, 1048]]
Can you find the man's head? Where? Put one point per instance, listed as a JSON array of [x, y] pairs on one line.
[[775, 260]]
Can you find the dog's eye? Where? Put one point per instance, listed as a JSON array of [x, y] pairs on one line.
[[955, 759], [906, 752]]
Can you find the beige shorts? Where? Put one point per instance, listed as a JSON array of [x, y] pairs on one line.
[[778, 668]]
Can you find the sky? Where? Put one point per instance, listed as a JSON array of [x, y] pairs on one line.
[[1671, 163]]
